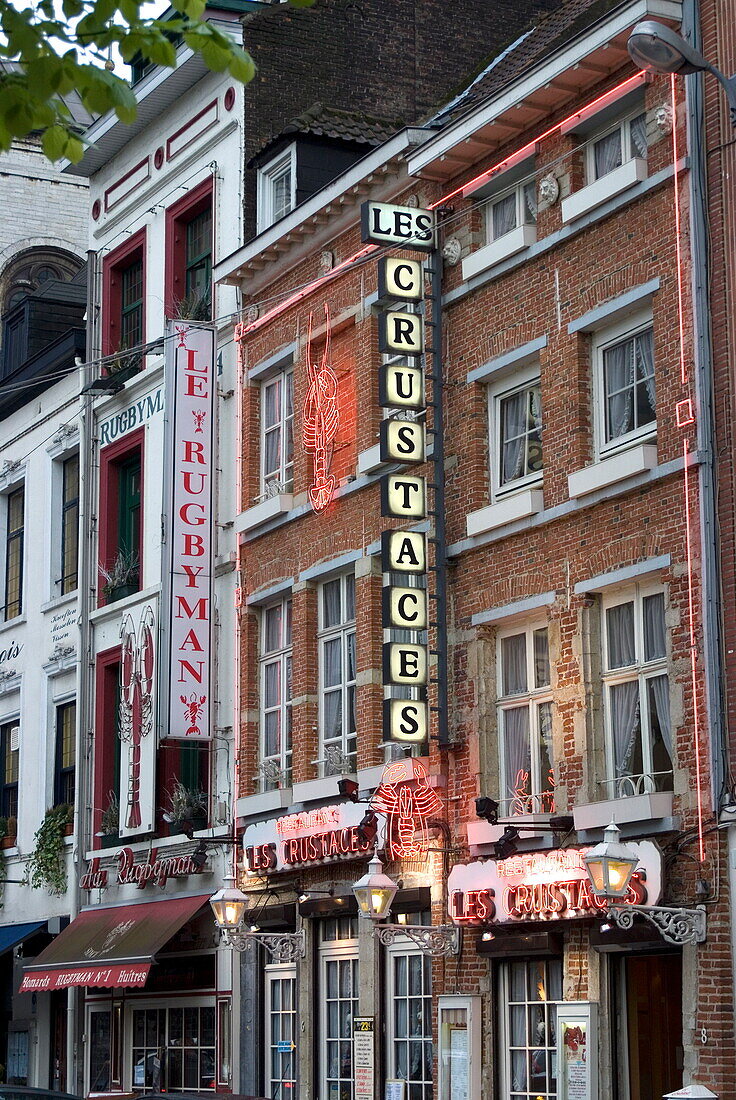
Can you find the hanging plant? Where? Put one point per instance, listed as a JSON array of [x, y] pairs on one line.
[[46, 867]]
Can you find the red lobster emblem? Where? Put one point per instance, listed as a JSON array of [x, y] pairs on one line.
[[408, 810], [136, 702], [193, 708], [320, 420]]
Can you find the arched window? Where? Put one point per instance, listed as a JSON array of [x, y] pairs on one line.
[[29, 270]]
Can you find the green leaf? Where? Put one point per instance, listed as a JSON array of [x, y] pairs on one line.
[[55, 141], [301, 3], [241, 65], [193, 8]]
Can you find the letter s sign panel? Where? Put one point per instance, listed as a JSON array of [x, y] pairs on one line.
[[190, 408]]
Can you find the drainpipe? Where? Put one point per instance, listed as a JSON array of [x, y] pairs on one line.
[[85, 687], [712, 640]]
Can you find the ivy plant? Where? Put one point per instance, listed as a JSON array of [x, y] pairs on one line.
[[59, 47], [46, 868]]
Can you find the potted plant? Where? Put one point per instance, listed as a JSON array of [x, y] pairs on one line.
[[187, 809], [110, 822], [8, 832], [121, 578], [46, 867], [193, 307]]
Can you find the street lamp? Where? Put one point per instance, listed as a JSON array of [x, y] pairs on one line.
[[610, 866], [374, 893], [229, 906], [656, 48]]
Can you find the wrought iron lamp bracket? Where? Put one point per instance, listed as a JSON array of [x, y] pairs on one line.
[[675, 925], [443, 939], [283, 947]]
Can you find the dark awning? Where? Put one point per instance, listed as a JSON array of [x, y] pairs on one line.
[[110, 947], [13, 934]]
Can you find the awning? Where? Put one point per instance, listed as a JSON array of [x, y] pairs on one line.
[[109, 948], [13, 934]]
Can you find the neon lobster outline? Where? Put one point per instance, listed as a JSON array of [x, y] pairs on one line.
[[136, 702], [320, 420], [406, 809]]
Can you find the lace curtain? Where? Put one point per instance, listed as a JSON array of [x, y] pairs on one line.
[[517, 755]]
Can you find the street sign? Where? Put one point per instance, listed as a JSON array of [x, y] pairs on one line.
[[285, 1046]]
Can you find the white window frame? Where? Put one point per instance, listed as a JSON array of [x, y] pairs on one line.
[[404, 947], [20, 483], [623, 125], [282, 657], [504, 1000], [497, 391], [604, 339], [279, 972], [641, 671], [342, 631], [535, 801], [204, 1001], [280, 480], [471, 1005], [268, 175], [333, 951], [523, 214]]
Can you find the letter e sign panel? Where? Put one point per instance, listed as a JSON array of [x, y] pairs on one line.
[[190, 389]]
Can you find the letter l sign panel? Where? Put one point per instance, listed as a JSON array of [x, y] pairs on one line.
[[187, 641]]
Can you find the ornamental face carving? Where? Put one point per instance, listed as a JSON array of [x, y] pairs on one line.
[[549, 191], [452, 251]]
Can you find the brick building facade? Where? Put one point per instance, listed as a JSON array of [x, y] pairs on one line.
[[581, 643]]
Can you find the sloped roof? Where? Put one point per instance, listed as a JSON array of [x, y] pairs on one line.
[[330, 122], [549, 33]]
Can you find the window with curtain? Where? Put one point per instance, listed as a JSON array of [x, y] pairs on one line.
[[636, 694], [515, 422], [525, 722], [628, 393], [337, 674], [10, 756], [281, 1029], [529, 993], [14, 542], [409, 1019], [625, 140], [276, 189], [275, 681], [517, 207], [277, 434], [69, 523]]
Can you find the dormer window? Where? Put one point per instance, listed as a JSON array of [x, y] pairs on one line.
[[277, 188]]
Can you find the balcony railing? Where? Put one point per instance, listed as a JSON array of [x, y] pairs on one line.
[[626, 786]]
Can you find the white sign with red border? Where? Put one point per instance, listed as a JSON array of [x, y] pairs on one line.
[[190, 388]]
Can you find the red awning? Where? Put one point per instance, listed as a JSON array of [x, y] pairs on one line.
[[110, 947]]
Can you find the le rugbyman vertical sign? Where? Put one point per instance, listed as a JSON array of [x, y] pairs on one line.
[[187, 621]]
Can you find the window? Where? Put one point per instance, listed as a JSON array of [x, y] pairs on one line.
[[10, 757], [121, 487], [529, 994], [281, 1028], [123, 296], [131, 304], [628, 409], [624, 141], [189, 245], [275, 680], [636, 694], [69, 523], [107, 749], [409, 1008], [66, 739], [337, 674], [339, 985], [14, 539], [517, 207], [277, 434], [277, 189], [525, 722], [515, 415], [173, 1049]]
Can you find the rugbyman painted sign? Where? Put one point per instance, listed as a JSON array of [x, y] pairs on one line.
[[191, 386]]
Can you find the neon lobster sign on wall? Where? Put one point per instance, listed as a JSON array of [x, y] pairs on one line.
[[408, 810], [320, 420]]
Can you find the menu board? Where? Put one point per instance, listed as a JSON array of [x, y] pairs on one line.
[[576, 1051], [363, 1058]]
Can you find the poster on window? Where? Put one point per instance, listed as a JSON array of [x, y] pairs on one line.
[[190, 410], [136, 722], [577, 1069]]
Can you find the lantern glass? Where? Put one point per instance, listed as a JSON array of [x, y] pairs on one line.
[[610, 866], [374, 892], [229, 905]]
